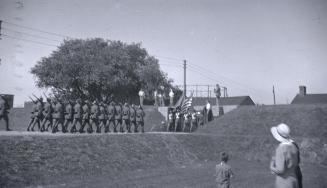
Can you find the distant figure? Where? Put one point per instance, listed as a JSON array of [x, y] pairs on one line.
[[171, 97], [140, 118], [125, 126], [141, 95], [132, 118], [155, 95], [160, 97], [111, 116], [118, 117], [209, 112], [285, 163], [223, 172], [77, 115], [4, 107]]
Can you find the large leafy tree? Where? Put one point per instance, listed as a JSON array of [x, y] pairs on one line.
[[95, 68]]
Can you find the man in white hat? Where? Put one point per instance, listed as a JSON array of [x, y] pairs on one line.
[[285, 163]]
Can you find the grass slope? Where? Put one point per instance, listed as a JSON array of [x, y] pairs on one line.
[[146, 160]]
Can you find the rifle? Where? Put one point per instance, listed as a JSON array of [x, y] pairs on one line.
[[37, 98], [46, 97], [31, 99]]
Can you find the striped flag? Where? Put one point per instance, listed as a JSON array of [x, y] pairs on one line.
[[187, 103]]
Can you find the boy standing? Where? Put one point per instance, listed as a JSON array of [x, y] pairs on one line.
[[223, 172]]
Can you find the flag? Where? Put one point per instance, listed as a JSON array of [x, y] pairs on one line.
[[187, 103]]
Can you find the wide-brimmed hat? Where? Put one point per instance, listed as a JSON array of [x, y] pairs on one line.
[[281, 132]]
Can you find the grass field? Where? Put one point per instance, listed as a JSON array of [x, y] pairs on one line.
[[167, 160]]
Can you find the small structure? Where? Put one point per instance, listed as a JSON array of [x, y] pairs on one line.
[[227, 103], [304, 98]]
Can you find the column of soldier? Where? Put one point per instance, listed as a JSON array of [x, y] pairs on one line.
[[85, 116], [184, 121]]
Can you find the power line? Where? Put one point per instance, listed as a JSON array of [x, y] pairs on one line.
[[32, 41], [37, 36], [38, 30]]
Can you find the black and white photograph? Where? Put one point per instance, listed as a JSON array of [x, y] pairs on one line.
[[163, 93]]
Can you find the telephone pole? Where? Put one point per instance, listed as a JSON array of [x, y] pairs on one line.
[[184, 66], [274, 95]]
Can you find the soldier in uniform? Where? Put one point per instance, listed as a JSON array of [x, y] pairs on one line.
[[47, 113], [187, 120], [118, 116], [86, 117], [140, 118], [170, 120], [38, 114], [94, 116], [69, 115], [102, 116], [194, 122], [111, 117], [77, 115], [178, 119], [4, 107], [125, 118], [32, 115], [57, 116], [132, 118]]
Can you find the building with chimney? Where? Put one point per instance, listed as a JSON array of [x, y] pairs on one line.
[[304, 98]]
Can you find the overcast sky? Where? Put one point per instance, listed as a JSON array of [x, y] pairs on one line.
[[247, 46]]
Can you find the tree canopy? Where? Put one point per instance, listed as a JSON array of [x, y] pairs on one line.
[[94, 68]]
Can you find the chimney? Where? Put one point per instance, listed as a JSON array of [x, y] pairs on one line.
[[303, 91]]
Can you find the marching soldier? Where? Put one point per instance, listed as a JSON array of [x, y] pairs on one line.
[[32, 114], [94, 116], [47, 113], [140, 118], [38, 114], [69, 114], [125, 118], [77, 115], [187, 120], [118, 117], [111, 117], [4, 107], [57, 116], [132, 118], [86, 118], [102, 117]]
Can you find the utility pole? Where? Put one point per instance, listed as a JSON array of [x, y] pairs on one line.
[[184, 66], [0, 28], [274, 95]]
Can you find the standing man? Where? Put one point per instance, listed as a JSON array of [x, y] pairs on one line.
[[155, 95], [140, 118], [218, 95], [111, 117], [47, 113], [194, 122], [170, 119], [126, 116], [118, 117], [178, 119], [171, 97], [77, 115], [141, 95], [4, 111], [285, 163], [187, 120]]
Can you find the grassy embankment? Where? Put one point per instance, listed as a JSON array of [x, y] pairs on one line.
[[168, 160]]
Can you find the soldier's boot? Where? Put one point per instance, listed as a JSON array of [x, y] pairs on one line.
[[98, 130], [54, 127], [81, 129], [7, 124], [142, 128]]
